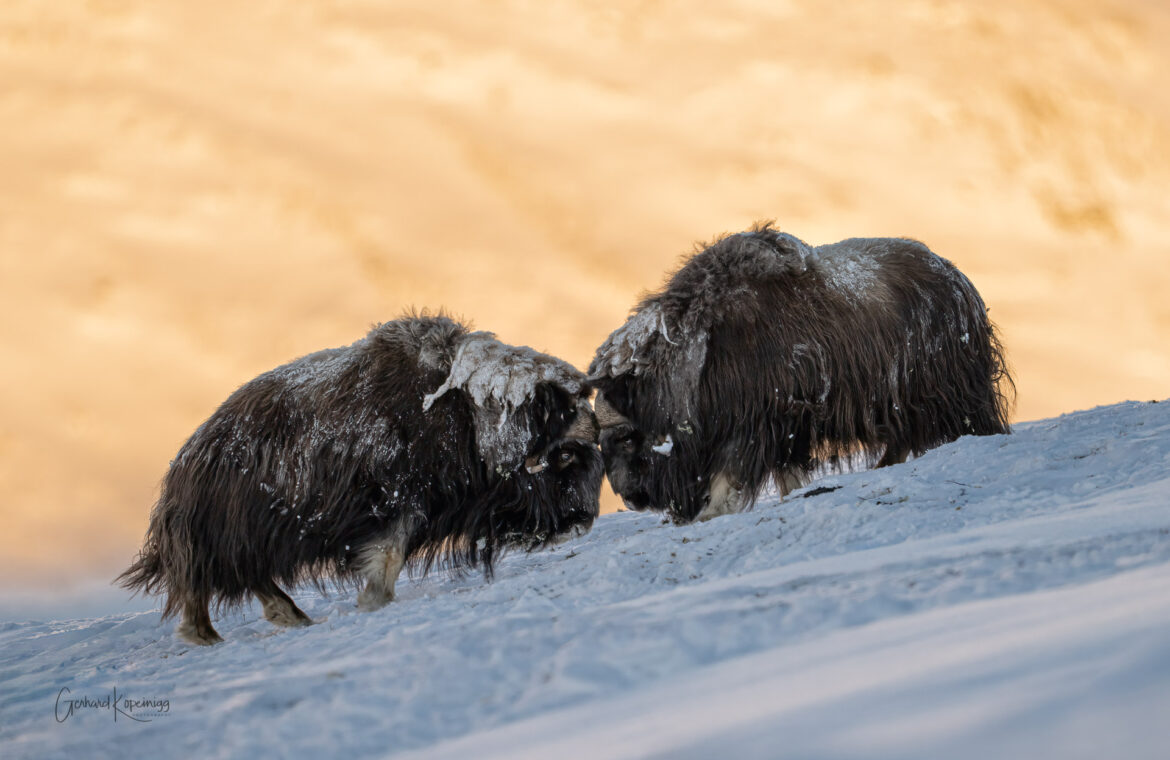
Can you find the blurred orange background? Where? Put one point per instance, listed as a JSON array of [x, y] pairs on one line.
[[194, 192]]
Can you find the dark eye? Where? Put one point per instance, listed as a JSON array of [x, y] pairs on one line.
[[565, 458], [628, 443]]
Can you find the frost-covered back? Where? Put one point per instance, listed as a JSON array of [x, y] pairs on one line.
[[498, 379], [665, 341], [674, 323]]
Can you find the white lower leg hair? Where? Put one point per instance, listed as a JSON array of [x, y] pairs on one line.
[[725, 498], [380, 563]]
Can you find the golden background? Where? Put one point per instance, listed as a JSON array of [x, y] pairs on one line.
[[192, 193]]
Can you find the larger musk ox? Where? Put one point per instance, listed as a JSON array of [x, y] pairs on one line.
[[420, 442], [763, 357]]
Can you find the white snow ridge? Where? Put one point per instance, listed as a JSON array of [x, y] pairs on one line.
[[1004, 596]]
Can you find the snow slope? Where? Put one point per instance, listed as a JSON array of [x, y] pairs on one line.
[[998, 597]]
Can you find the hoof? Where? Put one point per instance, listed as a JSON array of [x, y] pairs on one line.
[[193, 635], [368, 600], [280, 610], [287, 618]]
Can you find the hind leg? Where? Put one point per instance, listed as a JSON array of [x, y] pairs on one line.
[[380, 562], [279, 608], [195, 626]]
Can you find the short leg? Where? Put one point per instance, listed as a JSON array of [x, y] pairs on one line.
[[195, 626], [789, 480], [380, 562], [894, 455], [725, 498], [279, 609]]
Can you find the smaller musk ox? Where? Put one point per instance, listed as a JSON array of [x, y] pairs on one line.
[[764, 357], [420, 442]]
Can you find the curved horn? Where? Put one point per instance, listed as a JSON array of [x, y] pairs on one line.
[[607, 416], [584, 427]]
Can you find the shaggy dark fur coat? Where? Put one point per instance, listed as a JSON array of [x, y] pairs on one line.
[[763, 356], [400, 433]]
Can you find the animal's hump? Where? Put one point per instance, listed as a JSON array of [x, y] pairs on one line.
[[742, 257], [675, 321], [430, 337], [714, 280]]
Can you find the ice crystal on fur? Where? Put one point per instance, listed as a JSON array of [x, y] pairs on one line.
[[763, 356], [848, 269], [626, 349], [500, 379], [327, 467]]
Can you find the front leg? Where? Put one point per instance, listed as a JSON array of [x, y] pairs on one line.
[[380, 563], [725, 497]]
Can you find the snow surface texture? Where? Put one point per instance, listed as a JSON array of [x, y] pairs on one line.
[[501, 378], [1003, 596]]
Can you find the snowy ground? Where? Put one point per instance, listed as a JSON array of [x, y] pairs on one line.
[[1003, 596]]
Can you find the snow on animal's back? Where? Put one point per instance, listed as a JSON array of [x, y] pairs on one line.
[[855, 267], [318, 368], [850, 267]]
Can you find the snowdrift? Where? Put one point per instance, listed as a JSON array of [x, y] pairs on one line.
[[999, 596]]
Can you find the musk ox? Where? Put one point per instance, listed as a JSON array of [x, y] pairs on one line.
[[763, 357], [420, 442]]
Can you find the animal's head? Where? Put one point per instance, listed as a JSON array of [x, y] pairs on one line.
[[536, 435], [646, 374], [557, 488], [635, 459], [659, 416]]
